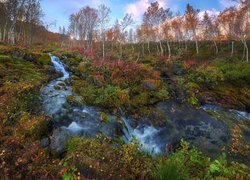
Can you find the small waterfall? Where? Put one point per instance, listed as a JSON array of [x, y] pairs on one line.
[[146, 136], [240, 115], [59, 67], [54, 94], [74, 127], [127, 130]]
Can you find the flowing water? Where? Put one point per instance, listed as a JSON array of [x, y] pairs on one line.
[[55, 93], [179, 121]]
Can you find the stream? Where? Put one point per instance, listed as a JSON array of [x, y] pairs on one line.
[[178, 121]]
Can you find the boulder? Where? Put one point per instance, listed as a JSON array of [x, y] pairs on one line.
[[194, 125], [60, 86], [59, 140]]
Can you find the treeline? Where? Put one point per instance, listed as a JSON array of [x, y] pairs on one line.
[[20, 23], [159, 25]]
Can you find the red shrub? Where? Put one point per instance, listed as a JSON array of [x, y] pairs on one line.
[[124, 72], [189, 63], [90, 54]]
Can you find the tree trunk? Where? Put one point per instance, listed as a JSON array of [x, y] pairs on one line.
[[158, 50], [247, 52], [244, 50], [148, 48], [103, 50], [11, 36], [186, 48], [143, 49], [216, 47], [232, 49], [4, 34], [161, 48], [197, 47], [169, 50]]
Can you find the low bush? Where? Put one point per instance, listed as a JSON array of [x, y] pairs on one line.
[[236, 72], [103, 157], [206, 75], [33, 126], [112, 96], [189, 163]]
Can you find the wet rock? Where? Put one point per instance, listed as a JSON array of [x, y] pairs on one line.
[[68, 82], [29, 57], [51, 69], [55, 75], [208, 99], [45, 142], [60, 86], [113, 129], [193, 125], [59, 140], [149, 86], [17, 53]]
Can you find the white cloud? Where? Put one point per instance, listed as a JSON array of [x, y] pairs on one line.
[[138, 8], [211, 13], [227, 3]]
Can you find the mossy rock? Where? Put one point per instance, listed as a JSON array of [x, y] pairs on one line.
[[44, 60], [74, 100], [104, 117]]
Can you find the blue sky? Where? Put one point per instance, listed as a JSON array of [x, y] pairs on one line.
[[59, 10]]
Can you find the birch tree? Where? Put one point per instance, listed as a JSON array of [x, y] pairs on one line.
[[226, 20], [126, 21], [210, 29], [104, 18], [191, 23], [155, 16]]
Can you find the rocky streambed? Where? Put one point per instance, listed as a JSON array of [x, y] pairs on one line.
[[179, 121]]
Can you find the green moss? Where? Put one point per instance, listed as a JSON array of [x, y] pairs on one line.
[[191, 86], [192, 100], [84, 66], [33, 126], [87, 91], [69, 54], [147, 60], [44, 60], [104, 117], [162, 94], [5, 58], [20, 81]]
